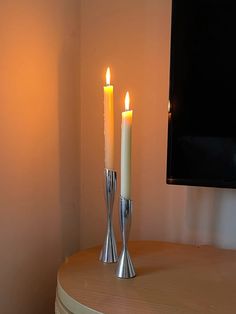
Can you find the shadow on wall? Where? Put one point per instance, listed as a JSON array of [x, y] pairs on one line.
[[68, 114], [211, 216]]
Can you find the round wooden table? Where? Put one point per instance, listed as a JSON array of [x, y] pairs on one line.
[[171, 279]]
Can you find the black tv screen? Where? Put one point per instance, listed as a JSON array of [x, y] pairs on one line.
[[202, 120]]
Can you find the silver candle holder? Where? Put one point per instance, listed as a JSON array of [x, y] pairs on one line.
[[125, 267], [109, 250]]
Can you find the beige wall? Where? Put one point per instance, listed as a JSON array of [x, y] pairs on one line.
[[43, 75], [133, 38], [38, 141]]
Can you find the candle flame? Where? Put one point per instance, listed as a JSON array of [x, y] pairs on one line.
[[108, 76], [127, 101]]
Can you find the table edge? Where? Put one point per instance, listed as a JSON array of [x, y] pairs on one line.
[[71, 304]]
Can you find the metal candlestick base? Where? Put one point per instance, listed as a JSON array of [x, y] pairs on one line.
[[125, 268], [109, 250]]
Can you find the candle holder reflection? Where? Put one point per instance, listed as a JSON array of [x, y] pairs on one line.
[[109, 250], [125, 268]]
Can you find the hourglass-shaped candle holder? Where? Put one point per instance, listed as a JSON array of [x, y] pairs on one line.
[[109, 250], [125, 268]]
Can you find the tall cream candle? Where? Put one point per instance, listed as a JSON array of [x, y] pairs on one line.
[[126, 130], [109, 122]]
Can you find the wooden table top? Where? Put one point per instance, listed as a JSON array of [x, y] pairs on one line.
[[171, 279]]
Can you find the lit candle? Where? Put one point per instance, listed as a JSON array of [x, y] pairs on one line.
[[109, 122], [126, 129]]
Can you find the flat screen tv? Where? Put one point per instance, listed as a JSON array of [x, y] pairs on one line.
[[202, 94]]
